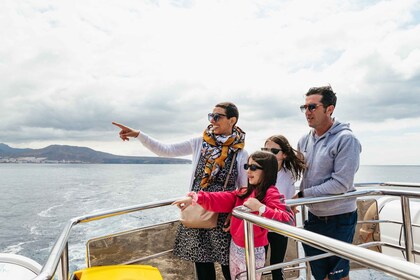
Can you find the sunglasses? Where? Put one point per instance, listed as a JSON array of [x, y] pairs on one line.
[[252, 167], [311, 107], [272, 150], [216, 117]]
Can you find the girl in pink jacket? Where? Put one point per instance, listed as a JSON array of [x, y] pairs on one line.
[[261, 196]]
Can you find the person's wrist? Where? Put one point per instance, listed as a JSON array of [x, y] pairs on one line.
[[193, 196], [261, 210]]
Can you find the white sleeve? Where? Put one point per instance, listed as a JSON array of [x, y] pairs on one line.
[[241, 159], [166, 150], [285, 183]]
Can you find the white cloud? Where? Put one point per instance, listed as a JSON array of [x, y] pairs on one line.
[[67, 69]]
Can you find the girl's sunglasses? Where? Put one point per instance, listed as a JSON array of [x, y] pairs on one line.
[[252, 167], [272, 150]]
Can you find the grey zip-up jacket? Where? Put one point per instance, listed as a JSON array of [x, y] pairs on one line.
[[332, 161]]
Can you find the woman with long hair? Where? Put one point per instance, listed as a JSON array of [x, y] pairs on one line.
[[290, 168]]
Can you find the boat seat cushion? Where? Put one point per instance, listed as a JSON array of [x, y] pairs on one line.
[[119, 272]]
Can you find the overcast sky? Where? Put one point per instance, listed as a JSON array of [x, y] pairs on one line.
[[70, 68]]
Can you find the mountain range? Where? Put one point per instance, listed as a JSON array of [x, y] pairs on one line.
[[74, 154]]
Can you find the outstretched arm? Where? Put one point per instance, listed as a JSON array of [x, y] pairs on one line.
[[161, 149]]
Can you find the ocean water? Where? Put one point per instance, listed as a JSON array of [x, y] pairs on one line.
[[38, 199]]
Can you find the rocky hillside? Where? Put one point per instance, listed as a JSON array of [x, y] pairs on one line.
[[64, 153]]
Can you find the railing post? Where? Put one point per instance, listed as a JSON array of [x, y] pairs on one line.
[[408, 234], [307, 264], [249, 250], [64, 260]]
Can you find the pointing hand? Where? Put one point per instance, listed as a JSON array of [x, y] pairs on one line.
[[126, 131]]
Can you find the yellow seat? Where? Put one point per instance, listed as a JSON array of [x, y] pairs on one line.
[[119, 272]]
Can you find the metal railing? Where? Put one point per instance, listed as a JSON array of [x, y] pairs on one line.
[[59, 252], [368, 258], [401, 269], [58, 257]]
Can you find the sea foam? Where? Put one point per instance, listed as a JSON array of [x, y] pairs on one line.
[[48, 212]]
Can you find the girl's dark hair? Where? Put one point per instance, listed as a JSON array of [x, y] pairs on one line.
[[294, 160], [269, 165]]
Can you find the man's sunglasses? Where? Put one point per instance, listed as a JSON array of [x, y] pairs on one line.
[[216, 117], [311, 107], [272, 150], [253, 167]]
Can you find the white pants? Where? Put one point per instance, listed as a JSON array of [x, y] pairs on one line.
[[237, 263]]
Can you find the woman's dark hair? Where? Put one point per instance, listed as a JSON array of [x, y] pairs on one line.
[[269, 165], [230, 108], [294, 159]]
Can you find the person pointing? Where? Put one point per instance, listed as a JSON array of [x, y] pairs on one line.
[[220, 146]]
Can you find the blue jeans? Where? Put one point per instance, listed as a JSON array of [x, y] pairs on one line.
[[340, 227]]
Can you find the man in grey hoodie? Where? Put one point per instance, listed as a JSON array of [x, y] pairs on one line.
[[332, 155]]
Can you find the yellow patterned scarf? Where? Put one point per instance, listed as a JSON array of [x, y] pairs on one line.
[[216, 149]]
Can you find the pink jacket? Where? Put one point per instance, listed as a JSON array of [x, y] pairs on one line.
[[224, 202]]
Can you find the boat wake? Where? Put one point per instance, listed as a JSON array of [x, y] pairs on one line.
[[14, 249]]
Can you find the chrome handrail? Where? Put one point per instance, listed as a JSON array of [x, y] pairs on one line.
[[409, 248], [363, 256], [405, 206], [59, 252]]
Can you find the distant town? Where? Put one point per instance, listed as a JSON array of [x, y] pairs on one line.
[[35, 160], [65, 154]]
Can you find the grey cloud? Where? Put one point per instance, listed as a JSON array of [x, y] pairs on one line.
[[93, 64], [384, 94], [78, 113], [272, 105], [165, 109]]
